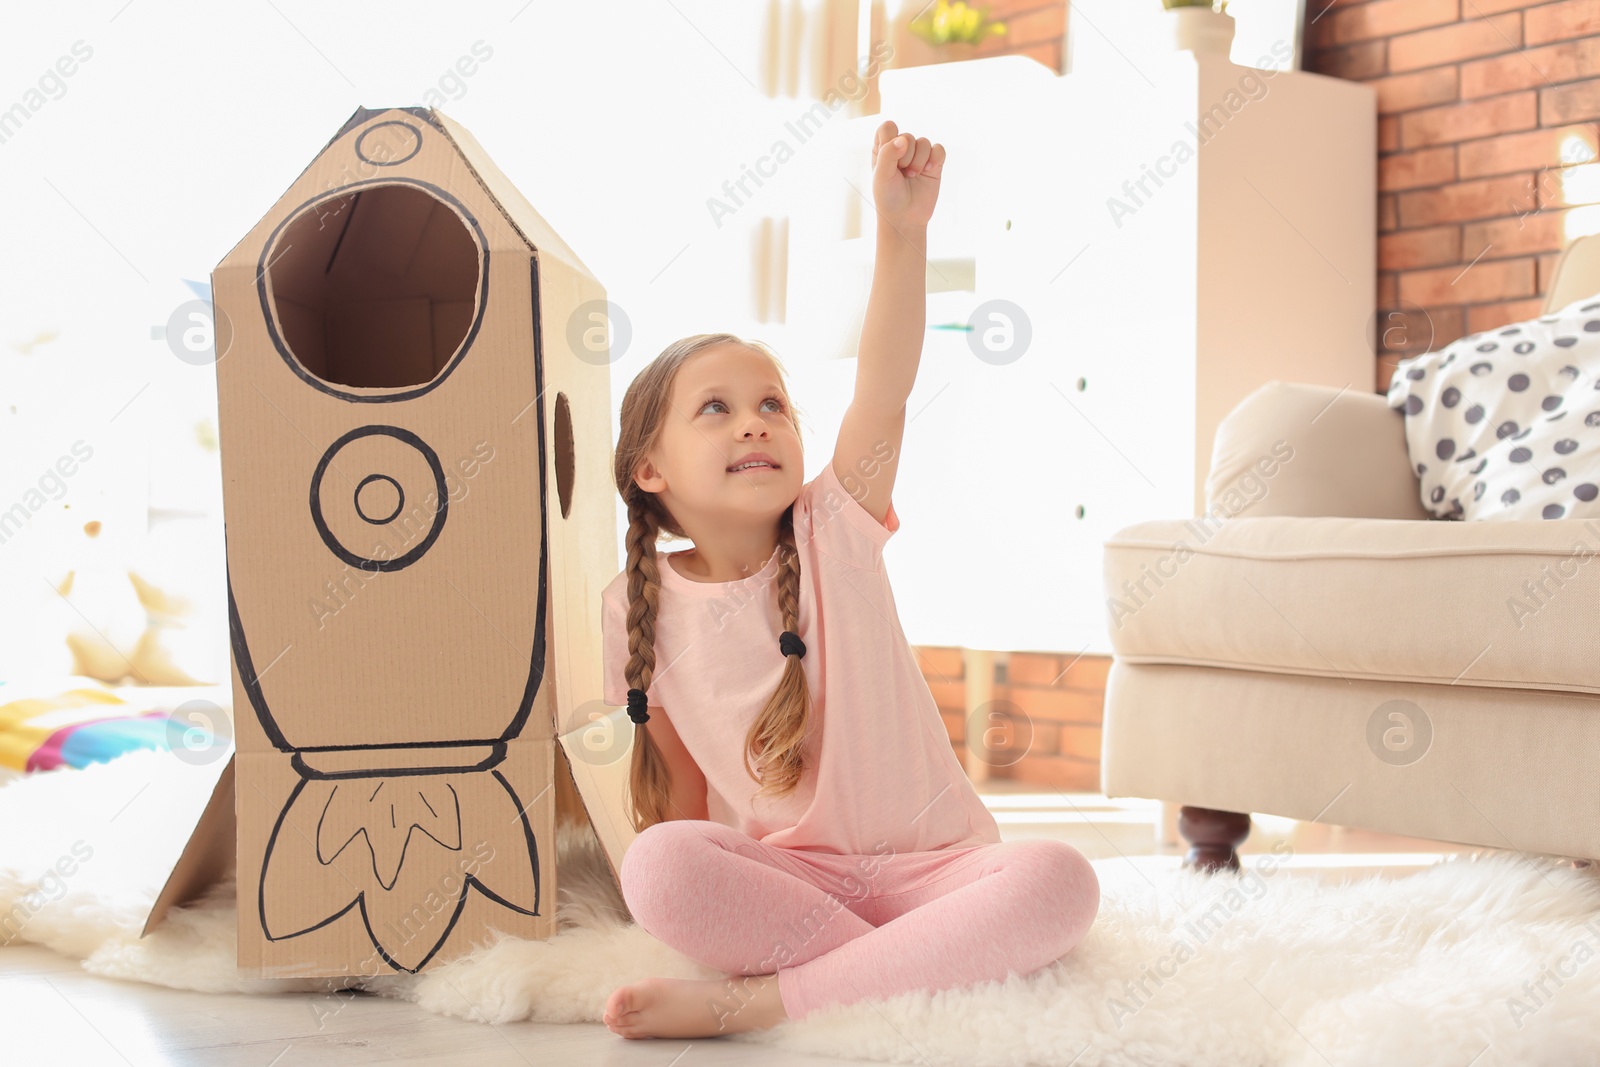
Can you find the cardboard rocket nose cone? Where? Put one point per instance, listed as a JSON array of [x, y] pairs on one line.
[[419, 519]]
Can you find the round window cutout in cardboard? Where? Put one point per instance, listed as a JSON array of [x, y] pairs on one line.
[[379, 285]]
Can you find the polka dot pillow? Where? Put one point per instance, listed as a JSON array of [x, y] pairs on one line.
[[1505, 424]]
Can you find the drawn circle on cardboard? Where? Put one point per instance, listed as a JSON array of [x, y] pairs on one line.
[[391, 147], [277, 266], [361, 508], [361, 456]]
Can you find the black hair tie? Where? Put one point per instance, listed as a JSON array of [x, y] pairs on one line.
[[791, 644], [637, 701]]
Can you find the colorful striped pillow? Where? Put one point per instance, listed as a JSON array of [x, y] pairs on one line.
[[79, 721]]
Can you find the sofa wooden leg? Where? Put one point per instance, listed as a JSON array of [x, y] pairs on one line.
[[1213, 836]]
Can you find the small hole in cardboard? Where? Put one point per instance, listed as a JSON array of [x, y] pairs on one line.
[[376, 288], [566, 464]]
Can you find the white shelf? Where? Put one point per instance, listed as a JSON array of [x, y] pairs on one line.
[[1252, 259]]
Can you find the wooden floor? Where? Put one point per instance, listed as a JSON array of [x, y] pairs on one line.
[[57, 1011]]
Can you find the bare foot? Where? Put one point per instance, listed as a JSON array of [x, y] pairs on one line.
[[677, 1007]]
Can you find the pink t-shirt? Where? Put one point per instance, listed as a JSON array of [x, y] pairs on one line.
[[881, 775]]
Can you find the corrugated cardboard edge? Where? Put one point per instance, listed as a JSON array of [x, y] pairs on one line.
[[570, 787], [530, 225], [207, 856], [602, 790]]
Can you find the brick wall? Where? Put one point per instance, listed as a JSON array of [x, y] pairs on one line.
[[1485, 108], [1042, 722]]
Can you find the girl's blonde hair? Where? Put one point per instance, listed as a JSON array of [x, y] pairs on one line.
[[777, 737]]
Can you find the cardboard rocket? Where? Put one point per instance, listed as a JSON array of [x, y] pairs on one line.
[[419, 520]]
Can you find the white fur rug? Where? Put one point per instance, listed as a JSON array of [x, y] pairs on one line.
[[1483, 960]]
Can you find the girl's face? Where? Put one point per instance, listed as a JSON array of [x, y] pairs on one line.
[[726, 403]]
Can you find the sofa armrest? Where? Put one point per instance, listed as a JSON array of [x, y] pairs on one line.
[[1292, 448]]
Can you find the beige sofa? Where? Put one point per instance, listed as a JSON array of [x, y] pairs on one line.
[[1318, 647]]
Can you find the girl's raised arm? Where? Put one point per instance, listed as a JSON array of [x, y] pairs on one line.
[[905, 185]]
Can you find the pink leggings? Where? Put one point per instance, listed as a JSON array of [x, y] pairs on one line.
[[842, 928]]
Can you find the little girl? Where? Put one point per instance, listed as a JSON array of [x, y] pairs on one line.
[[804, 824]]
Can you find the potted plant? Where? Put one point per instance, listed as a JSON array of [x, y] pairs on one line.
[[955, 27], [1199, 25]]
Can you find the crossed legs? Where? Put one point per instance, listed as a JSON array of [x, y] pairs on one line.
[[796, 931]]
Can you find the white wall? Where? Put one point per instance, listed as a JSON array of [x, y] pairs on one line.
[[181, 124]]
